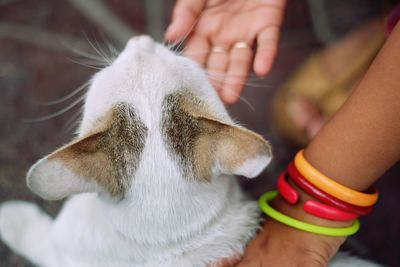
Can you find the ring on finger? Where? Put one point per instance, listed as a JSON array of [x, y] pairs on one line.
[[241, 45], [218, 49]]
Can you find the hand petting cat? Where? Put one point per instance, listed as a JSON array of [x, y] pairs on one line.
[[221, 35], [228, 37]]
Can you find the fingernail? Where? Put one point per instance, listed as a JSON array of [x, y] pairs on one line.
[[262, 68], [168, 32], [228, 96]]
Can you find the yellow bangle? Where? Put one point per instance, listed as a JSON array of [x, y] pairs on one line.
[[331, 187]]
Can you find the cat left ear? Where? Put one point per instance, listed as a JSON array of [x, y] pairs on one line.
[[233, 149], [76, 168]]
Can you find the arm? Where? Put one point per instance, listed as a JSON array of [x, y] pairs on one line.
[[362, 140], [355, 148]]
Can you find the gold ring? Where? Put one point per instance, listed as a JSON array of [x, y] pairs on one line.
[[218, 49], [241, 45]]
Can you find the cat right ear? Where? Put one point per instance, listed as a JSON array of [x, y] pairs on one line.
[[75, 168]]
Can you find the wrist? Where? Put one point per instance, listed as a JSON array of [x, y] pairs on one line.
[[314, 210], [296, 211], [306, 248]]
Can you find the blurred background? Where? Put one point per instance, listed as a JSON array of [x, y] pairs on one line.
[[42, 46]]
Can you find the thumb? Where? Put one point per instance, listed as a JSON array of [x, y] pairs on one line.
[[183, 17]]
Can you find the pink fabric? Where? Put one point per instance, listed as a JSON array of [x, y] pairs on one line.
[[393, 18]]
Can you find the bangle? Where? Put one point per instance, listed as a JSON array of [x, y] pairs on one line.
[[288, 192], [312, 207], [331, 187], [309, 188], [307, 227], [324, 211]]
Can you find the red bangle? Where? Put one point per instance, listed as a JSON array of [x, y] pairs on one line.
[[287, 192], [322, 196], [311, 206], [322, 210]]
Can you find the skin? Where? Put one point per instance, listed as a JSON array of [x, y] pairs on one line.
[[223, 23], [354, 148]]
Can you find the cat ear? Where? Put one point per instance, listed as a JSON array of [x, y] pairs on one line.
[[102, 162], [74, 168], [235, 150]]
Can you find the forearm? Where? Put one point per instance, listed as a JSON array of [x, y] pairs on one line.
[[363, 138]]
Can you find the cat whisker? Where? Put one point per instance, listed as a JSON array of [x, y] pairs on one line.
[[103, 53], [97, 51], [194, 53], [247, 84], [86, 55], [98, 67], [244, 100], [73, 122], [221, 75], [241, 98], [179, 43], [250, 74], [112, 48], [58, 113], [64, 98]]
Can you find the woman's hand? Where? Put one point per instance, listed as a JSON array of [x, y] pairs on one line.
[[280, 245], [221, 35]]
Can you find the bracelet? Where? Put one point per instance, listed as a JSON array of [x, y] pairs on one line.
[[288, 192], [309, 188], [307, 227], [312, 207], [331, 187], [324, 211]]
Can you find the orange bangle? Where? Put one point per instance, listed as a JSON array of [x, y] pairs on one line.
[[331, 187]]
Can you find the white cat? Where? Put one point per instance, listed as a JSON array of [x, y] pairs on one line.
[[149, 178]]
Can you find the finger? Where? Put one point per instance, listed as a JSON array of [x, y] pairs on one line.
[[217, 63], [229, 262], [267, 47], [183, 18], [197, 48], [239, 66]]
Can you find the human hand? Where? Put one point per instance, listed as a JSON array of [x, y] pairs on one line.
[[222, 37], [280, 245]]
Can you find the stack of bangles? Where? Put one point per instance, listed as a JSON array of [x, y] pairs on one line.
[[334, 201]]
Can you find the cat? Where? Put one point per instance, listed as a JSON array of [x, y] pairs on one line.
[[149, 178]]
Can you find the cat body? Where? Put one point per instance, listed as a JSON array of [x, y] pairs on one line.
[[149, 178], [88, 232], [146, 179]]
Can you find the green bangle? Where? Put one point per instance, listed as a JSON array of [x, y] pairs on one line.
[[307, 227]]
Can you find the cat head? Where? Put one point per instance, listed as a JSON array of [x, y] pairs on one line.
[[150, 113]]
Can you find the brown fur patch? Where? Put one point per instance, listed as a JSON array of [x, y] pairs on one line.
[[199, 140], [108, 157], [181, 130]]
